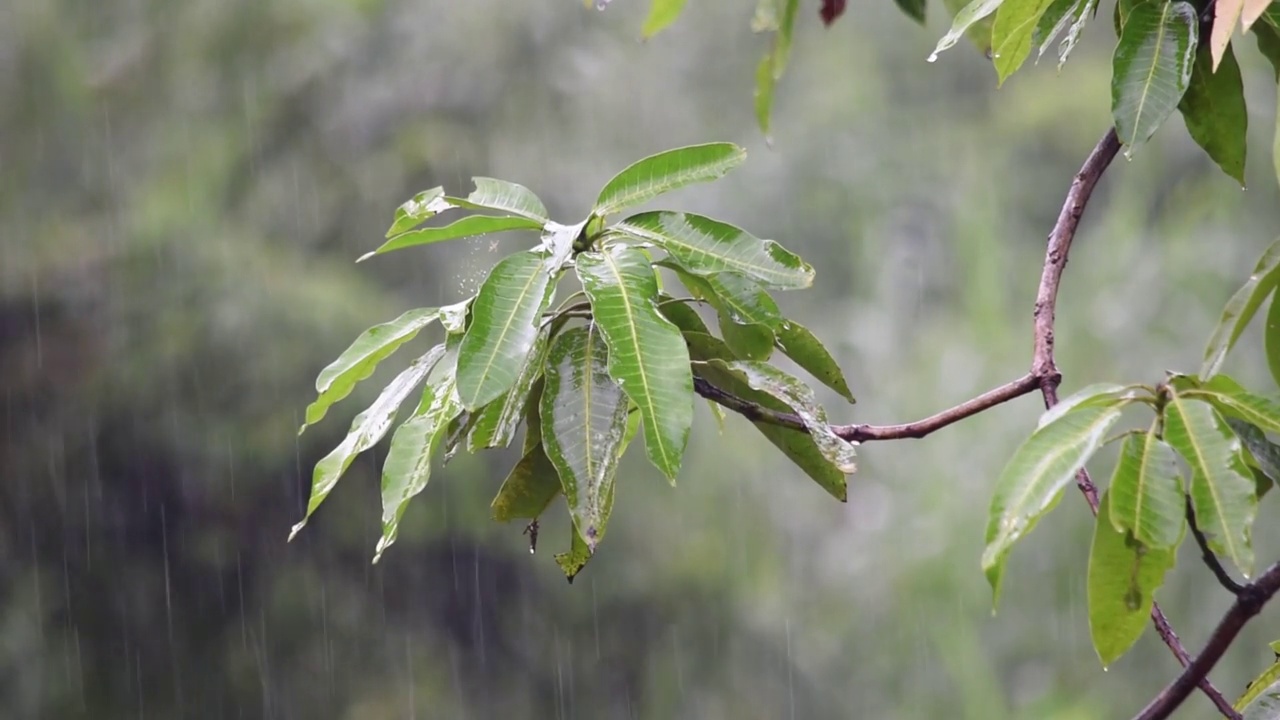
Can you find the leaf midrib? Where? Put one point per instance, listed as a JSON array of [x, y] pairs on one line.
[[506, 328], [635, 341], [1204, 474]]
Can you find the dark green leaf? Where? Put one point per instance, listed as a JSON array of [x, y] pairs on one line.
[[1213, 108], [914, 9], [968, 16], [1123, 577], [1271, 338], [454, 317], [507, 197], [497, 422], [1269, 45], [579, 554], [647, 355], [1012, 34], [533, 483], [667, 171], [1152, 68], [1241, 308], [466, 227], [802, 346], [661, 14], [1059, 15], [681, 315], [1146, 492], [1232, 400], [421, 207], [1262, 454], [1226, 14]]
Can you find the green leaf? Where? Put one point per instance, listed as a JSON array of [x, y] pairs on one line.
[[1261, 700], [1151, 68], [366, 430], [358, 362], [1146, 492], [1032, 482], [800, 400], [681, 315], [533, 483], [914, 9], [705, 247], [1262, 454], [1055, 19], [1077, 28], [1271, 338], [968, 17], [418, 210], [765, 83], [466, 227], [1269, 45], [454, 317], [497, 421], [1241, 308], [505, 321], [667, 171], [579, 554], [1012, 34], [508, 197], [1123, 577], [802, 346], [408, 465], [782, 41], [1214, 110], [1095, 394], [1222, 488], [1232, 400], [584, 420], [661, 14], [647, 355]]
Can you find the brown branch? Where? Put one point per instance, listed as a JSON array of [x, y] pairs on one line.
[[1210, 559], [1248, 603]]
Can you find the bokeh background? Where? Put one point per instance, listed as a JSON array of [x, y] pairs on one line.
[[184, 187]]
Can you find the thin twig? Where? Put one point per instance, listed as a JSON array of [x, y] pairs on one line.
[[1248, 603], [1210, 559]]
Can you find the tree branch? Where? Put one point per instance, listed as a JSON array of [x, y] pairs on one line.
[[1210, 559]]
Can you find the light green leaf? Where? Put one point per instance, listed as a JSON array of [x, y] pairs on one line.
[[1151, 68], [584, 420], [505, 320], [782, 41], [1013, 34], [1261, 700], [417, 210], [466, 227], [507, 197], [1146, 492], [1232, 400], [1032, 482], [358, 362], [647, 355], [1214, 110], [1241, 308], [1222, 488], [1123, 577], [914, 9], [572, 562], [533, 483], [964, 19], [497, 421], [408, 465], [661, 14], [366, 430], [802, 346], [1271, 338], [1095, 394], [702, 246], [765, 83], [667, 171]]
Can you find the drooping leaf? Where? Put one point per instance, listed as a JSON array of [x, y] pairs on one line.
[[661, 14], [1222, 488], [969, 16], [1069, 42], [681, 315], [914, 9], [366, 430], [705, 247], [1241, 308], [782, 40], [584, 420], [667, 171], [505, 320], [1146, 492], [469, 226], [358, 361], [496, 423], [408, 465], [1059, 15], [1123, 577], [1151, 68], [1271, 338], [1214, 110], [1269, 45], [802, 346], [1012, 34], [573, 561], [1226, 13], [1095, 394], [765, 83], [746, 312], [1260, 452], [533, 483], [1032, 482], [418, 210], [1232, 400], [503, 196], [647, 354]]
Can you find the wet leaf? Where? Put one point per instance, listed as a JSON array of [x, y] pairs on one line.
[[1012, 34], [1232, 400], [1146, 492], [661, 14], [1271, 338], [1214, 110], [968, 16], [763, 96], [1241, 308], [667, 171], [1151, 68], [533, 483], [469, 226], [497, 422], [914, 9], [1261, 700], [418, 210], [1095, 394], [802, 346], [507, 197]]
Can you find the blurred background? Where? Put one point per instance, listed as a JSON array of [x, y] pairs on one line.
[[184, 187]]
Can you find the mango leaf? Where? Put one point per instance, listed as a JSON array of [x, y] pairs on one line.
[[358, 361], [1123, 577], [1271, 339], [1146, 492], [1059, 15], [1261, 700], [454, 317], [533, 483], [1269, 45], [1214, 110], [1012, 34], [647, 355], [503, 196], [573, 561], [702, 246], [408, 465], [505, 320], [1151, 68], [661, 14], [914, 9], [763, 96], [667, 171], [1232, 400], [1222, 488], [802, 346], [1262, 454], [1225, 15], [1069, 42], [747, 313], [418, 209], [1095, 394], [1032, 482], [799, 399], [966, 18], [681, 315], [1241, 308], [584, 420], [466, 227], [496, 423], [782, 40], [366, 430]]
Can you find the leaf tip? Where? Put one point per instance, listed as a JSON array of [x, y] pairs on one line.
[[296, 529], [366, 256]]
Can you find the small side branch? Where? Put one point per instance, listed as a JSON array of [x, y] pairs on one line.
[[1210, 559]]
